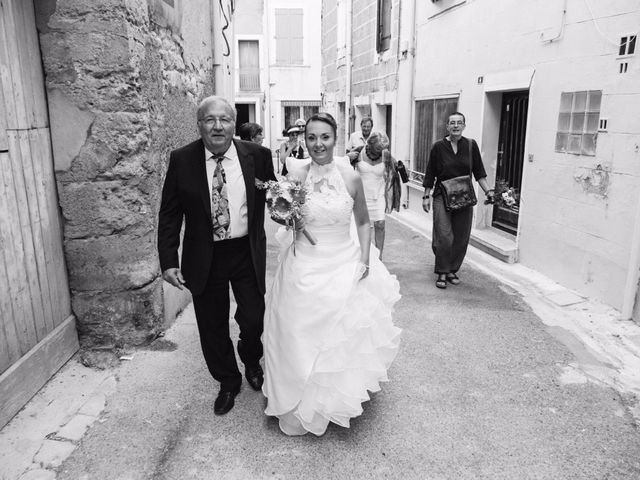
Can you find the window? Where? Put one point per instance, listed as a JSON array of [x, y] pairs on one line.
[[431, 119], [294, 110], [578, 122], [384, 26], [289, 37], [249, 63], [627, 45]]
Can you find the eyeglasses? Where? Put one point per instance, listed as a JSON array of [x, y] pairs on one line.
[[210, 121]]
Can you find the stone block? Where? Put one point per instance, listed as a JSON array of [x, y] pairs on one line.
[[112, 263], [75, 429], [129, 317], [69, 128], [52, 453], [94, 406], [125, 133], [105, 208], [38, 474]]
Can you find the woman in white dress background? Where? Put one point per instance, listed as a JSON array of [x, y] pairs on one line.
[[328, 334], [379, 172]]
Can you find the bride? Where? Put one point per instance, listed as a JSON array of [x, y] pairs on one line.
[[328, 333]]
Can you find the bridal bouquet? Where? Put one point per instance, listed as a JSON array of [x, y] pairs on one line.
[[285, 199]]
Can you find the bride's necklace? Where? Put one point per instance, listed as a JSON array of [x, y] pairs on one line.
[[321, 170]]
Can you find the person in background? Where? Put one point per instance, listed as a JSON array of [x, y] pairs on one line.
[[293, 148], [251, 132], [449, 158], [301, 124], [358, 139], [379, 173]]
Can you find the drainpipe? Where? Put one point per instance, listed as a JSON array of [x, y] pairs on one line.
[[412, 71], [267, 89], [633, 274], [216, 53], [349, 66]]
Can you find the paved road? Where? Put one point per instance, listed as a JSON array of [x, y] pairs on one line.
[[478, 391]]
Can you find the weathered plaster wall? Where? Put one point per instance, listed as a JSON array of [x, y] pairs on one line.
[[578, 233], [123, 78]]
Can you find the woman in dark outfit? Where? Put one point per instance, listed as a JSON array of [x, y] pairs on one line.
[[449, 158]]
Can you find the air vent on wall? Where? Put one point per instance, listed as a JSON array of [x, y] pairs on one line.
[[602, 125]]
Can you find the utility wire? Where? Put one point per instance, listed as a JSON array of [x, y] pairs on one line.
[[595, 23]]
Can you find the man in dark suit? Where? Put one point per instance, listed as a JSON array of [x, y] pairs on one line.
[[211, 184]]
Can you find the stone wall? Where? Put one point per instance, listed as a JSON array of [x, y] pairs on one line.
[[123, 79]]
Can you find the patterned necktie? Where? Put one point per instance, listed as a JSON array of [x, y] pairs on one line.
[[219, 202]]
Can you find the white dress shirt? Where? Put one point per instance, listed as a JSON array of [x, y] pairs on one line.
[[356, 139], [239, 226]]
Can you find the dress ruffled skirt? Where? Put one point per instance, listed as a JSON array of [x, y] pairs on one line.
[[329, 338]]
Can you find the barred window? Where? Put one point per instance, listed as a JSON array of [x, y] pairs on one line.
[[293, 110], [578, 122], [249, 61]]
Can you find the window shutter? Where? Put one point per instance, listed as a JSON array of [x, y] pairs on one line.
[[249, 62], [289, 36]]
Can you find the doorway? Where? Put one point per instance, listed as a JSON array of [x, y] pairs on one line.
[[246, 113], [510, 160], [388, 118]]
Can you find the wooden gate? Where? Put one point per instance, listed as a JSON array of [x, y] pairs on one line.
[[37, 330]]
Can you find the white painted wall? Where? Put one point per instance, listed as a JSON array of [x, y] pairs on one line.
[[580, 239], [299, 82]]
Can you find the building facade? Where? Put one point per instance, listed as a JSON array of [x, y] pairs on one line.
[[547, 88], [278, 73]]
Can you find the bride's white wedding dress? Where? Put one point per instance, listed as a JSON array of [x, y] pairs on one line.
[[328, 338]]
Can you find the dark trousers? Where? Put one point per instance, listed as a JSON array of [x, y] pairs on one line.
[[450, 236], [231, 265]]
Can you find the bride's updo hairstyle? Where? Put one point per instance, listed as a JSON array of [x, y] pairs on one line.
[[326, 118]]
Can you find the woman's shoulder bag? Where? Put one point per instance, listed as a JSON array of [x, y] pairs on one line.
[[458, 192]]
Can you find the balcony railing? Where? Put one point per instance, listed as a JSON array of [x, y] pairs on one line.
[[249, 79]]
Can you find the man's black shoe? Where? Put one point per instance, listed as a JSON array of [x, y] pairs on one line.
[[255, 376], [224, 402]]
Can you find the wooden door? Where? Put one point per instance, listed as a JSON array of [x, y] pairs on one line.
[[37, 330], [513, 130]]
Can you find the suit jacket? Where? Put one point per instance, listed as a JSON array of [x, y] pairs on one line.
[[185, 195]]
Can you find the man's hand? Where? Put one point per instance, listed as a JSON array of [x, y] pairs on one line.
[[174, 277], [426, 204]]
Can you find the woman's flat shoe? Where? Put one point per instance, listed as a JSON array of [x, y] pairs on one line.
[[453, 279], [441, 282]]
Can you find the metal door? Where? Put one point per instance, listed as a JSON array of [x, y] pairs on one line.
[[513, 129]]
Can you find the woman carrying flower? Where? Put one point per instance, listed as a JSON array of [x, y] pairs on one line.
[[328, 332]]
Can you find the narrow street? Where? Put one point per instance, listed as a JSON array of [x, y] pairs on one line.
[[479, 390]]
